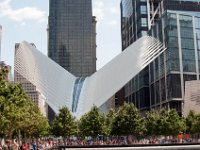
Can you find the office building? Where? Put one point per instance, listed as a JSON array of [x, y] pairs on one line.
[[72, 36], [161, 84], [133, 21], [0, 39], [192, 97], [30, 88]]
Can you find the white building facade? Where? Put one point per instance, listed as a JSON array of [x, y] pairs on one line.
[[61, 88]]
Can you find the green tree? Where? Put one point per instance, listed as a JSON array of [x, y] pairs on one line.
[[193, 123], [153, 123], [109, 120], [128, 121], [190, 122], [170, 123], [93, 123], [196, 125], [34, 123], [15, 107], [64, 124], [3, 119]]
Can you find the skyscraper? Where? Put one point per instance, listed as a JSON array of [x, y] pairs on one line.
[[133, 21], [29, 88], [72, 36], [176, 23]]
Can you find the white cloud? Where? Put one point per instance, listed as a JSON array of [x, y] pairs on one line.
[[21, 15], [99, 10]]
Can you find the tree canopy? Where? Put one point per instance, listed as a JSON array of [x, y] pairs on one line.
[[17, 111], [64, 124], [93, 123], [128, 121]]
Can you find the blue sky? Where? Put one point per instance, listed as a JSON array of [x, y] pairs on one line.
[[27, 20]]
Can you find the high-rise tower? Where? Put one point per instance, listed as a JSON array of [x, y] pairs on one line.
[[133, 21], [176, 24], [72, 36], [0, 39]]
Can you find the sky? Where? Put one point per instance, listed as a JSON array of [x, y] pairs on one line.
[[26, 20]]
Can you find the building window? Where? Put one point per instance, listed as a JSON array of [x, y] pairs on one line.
[[143, 9], [144, 22]]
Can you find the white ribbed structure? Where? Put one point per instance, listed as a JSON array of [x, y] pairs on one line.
[[80, 94], [50, 79]]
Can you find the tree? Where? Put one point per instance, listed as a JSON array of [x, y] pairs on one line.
[[3, 119], [128, 121], [93, 123], [15, 109], [196, 125], [64, 124], [34, 123], [193, 123], [13, 100], [109, 120], [153, 123], [190, 122], [170, 123]]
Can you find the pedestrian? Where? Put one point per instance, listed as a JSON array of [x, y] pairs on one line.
[[24, 146], [14, 145], [7, 145]]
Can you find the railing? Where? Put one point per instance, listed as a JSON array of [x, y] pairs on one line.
[[184, 146]]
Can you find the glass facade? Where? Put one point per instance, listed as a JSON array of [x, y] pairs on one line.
[[179, 30], [133, 21], [72, 36]]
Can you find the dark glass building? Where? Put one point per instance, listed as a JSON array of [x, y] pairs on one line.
[[134, 24], [176, 23], [72, 36], [133, 21]]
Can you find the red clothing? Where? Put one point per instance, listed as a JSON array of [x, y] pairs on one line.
[[25, 147]]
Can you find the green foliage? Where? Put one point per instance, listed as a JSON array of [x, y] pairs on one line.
[[64, 124], [17, 110], [93, 123], [3, 119], [128, 121], [153, 123], [164, 122], [190, 119], [34, 123], [109, 120], [170, 123], [193, 123]]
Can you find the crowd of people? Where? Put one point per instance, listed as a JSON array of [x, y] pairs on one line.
[[48, 143], [14, 145]]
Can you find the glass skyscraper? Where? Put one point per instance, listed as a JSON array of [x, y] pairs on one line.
[[133, 21], [176, 23], [72, 36]]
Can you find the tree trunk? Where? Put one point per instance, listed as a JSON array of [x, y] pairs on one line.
[[10, 132]]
